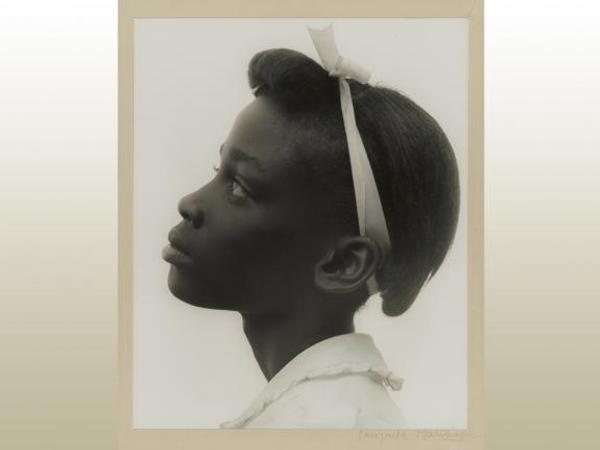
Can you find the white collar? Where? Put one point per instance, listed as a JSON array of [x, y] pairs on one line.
[[345, 353]]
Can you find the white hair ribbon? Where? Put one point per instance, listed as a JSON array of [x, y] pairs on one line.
[[371, 219]]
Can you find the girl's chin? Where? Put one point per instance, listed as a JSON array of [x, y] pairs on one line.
[[187, 289]]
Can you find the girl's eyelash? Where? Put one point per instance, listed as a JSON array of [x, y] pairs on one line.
[[236, 182], [217, 169]]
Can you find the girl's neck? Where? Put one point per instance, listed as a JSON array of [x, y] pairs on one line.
[[277, 339]]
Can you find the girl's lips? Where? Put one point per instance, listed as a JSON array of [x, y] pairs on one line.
[[174, 256]]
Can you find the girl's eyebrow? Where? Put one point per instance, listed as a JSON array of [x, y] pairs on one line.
[[238, 154]]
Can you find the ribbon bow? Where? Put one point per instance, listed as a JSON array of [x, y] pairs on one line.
[[371, 219], [332, 61]]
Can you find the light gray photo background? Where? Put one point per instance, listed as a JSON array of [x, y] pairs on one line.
[[193, 367]]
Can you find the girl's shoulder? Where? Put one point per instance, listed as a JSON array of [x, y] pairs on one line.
[[344, 400]]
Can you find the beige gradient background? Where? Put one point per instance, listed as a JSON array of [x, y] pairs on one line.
[[58, 285]]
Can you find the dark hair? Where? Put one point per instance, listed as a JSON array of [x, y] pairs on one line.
[[412, 160]]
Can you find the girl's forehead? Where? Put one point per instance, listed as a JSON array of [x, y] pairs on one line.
[[263, 133]]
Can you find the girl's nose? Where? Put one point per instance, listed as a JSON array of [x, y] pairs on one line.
[[190, 210]]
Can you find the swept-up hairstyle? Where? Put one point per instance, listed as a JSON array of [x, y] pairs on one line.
[[412, 160]]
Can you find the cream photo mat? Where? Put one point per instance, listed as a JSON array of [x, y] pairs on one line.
[[130, 438]]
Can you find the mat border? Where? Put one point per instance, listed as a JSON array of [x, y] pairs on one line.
[[187, 439]]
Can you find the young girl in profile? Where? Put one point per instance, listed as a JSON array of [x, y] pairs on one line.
[[279, 236]]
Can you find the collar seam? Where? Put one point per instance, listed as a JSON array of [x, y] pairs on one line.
[[345, 368]]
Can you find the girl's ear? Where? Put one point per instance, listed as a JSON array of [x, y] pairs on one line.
[[347, 267]]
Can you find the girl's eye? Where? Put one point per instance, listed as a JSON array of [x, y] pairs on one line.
[[237, 190]]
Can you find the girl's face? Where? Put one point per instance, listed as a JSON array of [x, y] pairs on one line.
[[250, 238]]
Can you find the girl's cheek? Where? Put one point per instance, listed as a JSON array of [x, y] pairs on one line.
[[243, 226]]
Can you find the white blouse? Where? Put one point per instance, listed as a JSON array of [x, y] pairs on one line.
[[339, 382]]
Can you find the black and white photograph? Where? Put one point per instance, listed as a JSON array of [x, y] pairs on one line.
[[299, 223]]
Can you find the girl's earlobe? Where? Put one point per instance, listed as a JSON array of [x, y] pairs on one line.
[[346, 267]]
